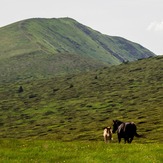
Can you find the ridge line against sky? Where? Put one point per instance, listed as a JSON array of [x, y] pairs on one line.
[[140, 21]]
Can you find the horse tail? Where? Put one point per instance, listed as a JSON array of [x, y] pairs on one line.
[[137, 135]]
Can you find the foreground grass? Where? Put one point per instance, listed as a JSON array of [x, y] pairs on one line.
[[85, 152]]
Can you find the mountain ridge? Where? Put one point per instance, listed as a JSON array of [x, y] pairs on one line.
[[41, 46]]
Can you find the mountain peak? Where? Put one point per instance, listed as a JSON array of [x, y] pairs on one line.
[[61, 45]]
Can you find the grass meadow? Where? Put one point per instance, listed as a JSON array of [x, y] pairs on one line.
[[47, 151], [61, 119]]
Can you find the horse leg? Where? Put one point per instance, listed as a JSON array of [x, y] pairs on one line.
[[131, 139], [105, 138], [119, 139], [126, 139], [110, 139]]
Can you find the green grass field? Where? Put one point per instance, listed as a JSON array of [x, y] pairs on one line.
[[62, 119], [77, 107], [45, 151]]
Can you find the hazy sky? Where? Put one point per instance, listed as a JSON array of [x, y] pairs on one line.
[[140, 21]]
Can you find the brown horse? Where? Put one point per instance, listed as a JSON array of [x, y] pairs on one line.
[[107, 134], [126, 130]]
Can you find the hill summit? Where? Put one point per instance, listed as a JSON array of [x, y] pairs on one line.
[[46, 47]]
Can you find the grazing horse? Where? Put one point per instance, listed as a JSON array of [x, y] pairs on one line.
[[107, 134], [126, 130]]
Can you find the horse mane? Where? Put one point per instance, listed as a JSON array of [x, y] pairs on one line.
[[118, 122]]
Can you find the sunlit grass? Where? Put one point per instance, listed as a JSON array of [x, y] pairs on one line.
[[82, 151]]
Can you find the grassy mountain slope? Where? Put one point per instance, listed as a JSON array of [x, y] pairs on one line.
[[77, 107], [38, 48]]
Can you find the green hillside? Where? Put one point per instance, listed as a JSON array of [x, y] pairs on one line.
[[77, 107], [41, 48]]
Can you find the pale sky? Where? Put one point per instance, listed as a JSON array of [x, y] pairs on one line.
[[139, 21]]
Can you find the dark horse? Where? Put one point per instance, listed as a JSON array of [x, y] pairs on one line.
[[126, 130]]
